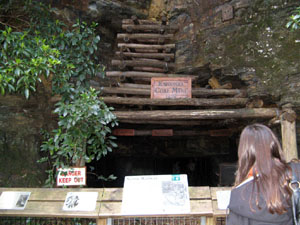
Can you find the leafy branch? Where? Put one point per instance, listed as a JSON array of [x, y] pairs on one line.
[[294, 20]]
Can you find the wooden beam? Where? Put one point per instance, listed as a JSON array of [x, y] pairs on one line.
[[150, 69], [179, 101], [145, 74], [132, 85], [150, 47], [143, 62], [102, 221], [196, 92], [150, 28], [288, 133], [196, 114], [174, 122], [164, 56], [144, 36], [168, 132]]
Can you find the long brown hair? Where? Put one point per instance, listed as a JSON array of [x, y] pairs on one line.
[[260, 150]]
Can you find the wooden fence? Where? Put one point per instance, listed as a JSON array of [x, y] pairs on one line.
[[48, 203]]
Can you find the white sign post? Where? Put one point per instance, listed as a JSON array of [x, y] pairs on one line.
[[153, 195], [71, 176]]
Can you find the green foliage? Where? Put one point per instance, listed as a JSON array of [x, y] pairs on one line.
[[294, 20], [83, 134], [66, 55], [23, 58]]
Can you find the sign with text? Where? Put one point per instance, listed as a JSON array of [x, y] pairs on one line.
[[14, 200], [80, 201], [71, 176], [153, 195], [169, 87]]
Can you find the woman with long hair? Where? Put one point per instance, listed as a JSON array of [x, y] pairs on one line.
[[261, 195]]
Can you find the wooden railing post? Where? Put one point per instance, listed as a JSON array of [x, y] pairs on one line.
[[288, 133], [101, 221]]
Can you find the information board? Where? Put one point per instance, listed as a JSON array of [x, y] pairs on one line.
[[80, 201], [223, 198], [14, 200], [169, 87], [71, 176], [153, 195]]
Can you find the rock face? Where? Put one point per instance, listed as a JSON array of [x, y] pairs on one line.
[[241, 41], [20, 139]]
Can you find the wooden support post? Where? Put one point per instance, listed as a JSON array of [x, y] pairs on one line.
[[101, 221], [288, 133], [210, 221]]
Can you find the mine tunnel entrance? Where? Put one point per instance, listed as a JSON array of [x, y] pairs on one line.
[[207, 161]]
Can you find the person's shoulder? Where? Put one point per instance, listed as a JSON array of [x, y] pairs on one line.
[[245, 182]]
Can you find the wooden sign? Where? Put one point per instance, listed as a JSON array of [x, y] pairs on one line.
[[169, 87], [71, 176], [156, 194], [123, 132], [162, 132]]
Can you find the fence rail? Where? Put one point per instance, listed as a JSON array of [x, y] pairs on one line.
[[45, 206]]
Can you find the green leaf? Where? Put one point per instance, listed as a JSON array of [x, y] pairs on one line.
[[26, 93]]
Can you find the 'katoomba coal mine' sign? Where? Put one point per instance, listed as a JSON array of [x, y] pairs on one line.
[[169, 87]]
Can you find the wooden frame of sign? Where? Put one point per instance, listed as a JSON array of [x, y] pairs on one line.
[[171, 87]]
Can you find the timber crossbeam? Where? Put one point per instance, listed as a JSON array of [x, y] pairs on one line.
[[243, 113], [175, 102]]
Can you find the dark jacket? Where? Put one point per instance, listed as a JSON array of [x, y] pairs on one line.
[[241, 213]]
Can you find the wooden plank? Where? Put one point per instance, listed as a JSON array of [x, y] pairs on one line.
[[49, 209], [150, 27], [143, 63], [150, 69], [110, 209], [53, 194], [176, 122], [173, 102], [162, 132], [143, 46], [145, 74], [142, 36], [201, 207], [196, 92], [288, 133], [158, 55], [198, 193], [101, 222], [197, 114], [218, 212], [170, 88], [112, 194]]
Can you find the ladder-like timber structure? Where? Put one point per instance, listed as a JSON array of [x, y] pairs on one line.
[[145, 51]]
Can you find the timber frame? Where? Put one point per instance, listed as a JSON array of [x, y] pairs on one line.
[[145, 51]]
